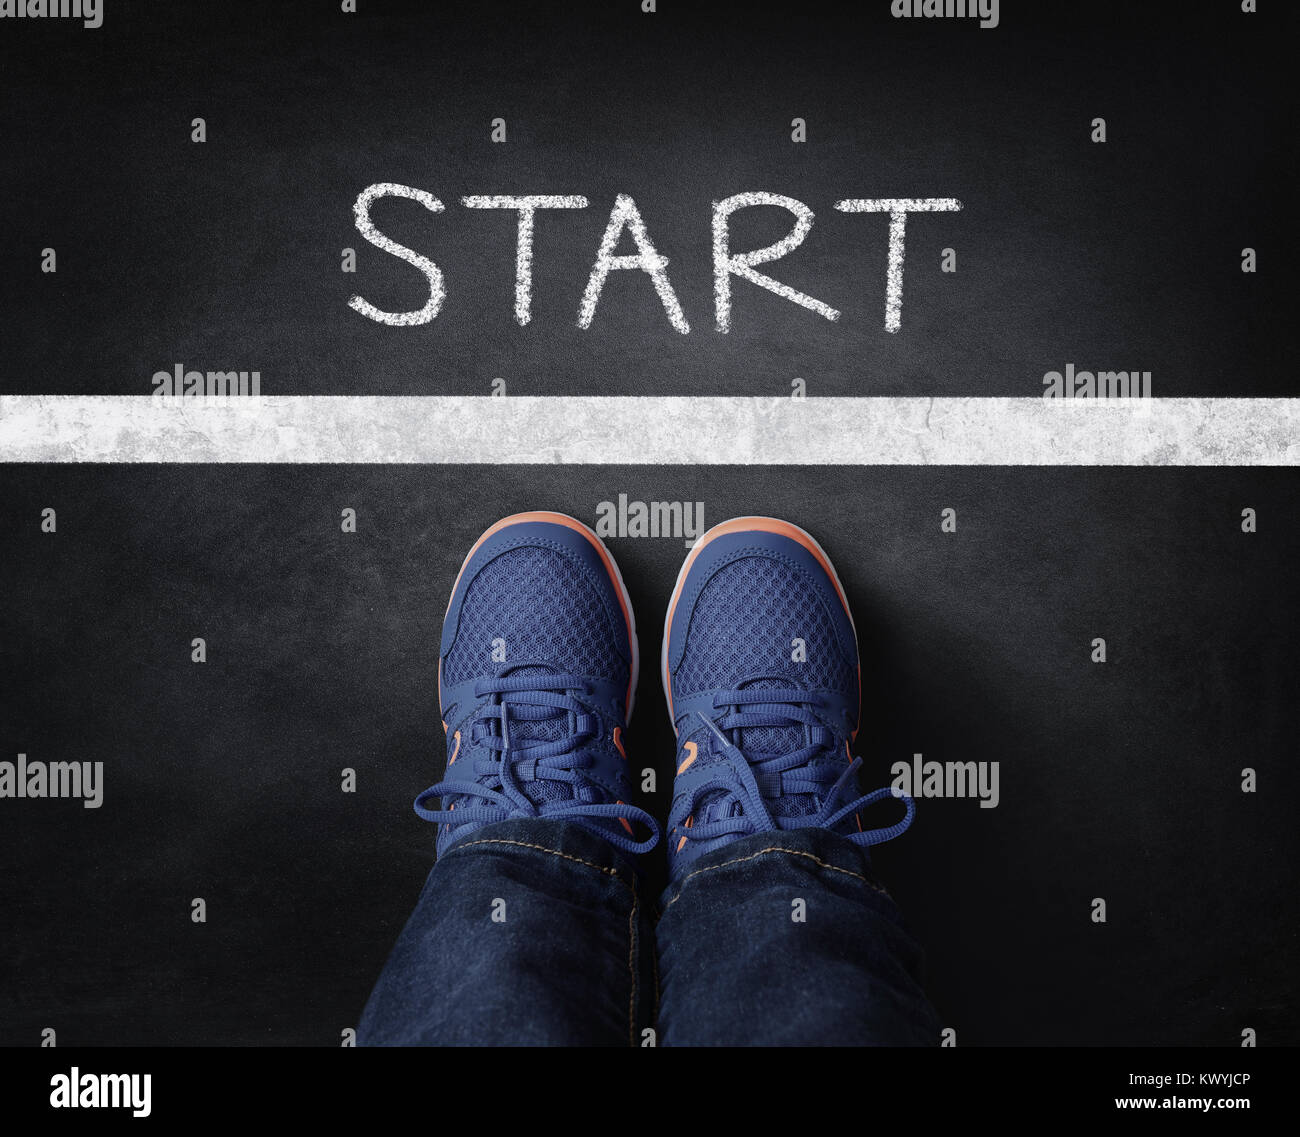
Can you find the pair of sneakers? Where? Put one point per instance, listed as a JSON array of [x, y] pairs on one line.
[[537, 673]]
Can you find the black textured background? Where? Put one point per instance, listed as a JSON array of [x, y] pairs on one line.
[[226, 255], [1120, 781]]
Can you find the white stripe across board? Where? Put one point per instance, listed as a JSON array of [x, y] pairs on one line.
[[652, 430]]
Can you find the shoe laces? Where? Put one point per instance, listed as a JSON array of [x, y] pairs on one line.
[[513, 774], [738, 799]]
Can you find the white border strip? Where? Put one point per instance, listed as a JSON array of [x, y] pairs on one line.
[[950, 431]]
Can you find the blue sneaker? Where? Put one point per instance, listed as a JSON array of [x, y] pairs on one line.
[[536, 674], [760, 669]]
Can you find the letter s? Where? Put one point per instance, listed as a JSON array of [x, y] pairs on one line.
[[367, 229]]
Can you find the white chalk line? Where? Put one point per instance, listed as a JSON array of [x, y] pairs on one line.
[[651, 430]]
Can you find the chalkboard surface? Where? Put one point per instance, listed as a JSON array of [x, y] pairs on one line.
[[1121, 780]]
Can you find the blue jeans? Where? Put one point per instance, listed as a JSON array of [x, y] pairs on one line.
[[534, 932]]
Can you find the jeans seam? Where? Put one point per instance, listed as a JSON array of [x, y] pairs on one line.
[[773, 849], [654, 962], [541, 848], [631, 967], [631, 920]]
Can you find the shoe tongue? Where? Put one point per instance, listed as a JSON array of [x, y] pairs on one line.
[[772, 740], [550, 729], [769, 740]]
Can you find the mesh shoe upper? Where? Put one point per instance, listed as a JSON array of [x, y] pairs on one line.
[[544, 606], [746, 621], [761, 671], [537, 659]]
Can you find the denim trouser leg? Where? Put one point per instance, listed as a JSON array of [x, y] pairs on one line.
[[562, 964], [741, 961], [781, 938]]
